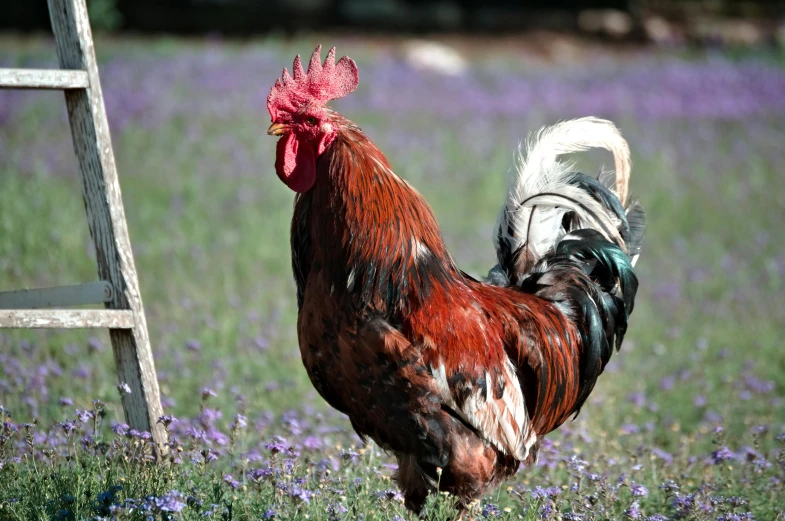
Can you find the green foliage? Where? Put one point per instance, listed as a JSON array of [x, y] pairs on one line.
[[104, 15]]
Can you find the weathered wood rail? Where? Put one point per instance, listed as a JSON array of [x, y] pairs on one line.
[[118, 288]]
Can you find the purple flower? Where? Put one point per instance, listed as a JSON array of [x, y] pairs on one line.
[[209, 456], [240, 422], [261, 473], [300, 493], [229, 480], [210, 416], [260, 343], [638, 399], [684, 503], [167, 420], [217, 436], [172, 501], [639, 490], [196, 434], [94, 344], [759, 386], [748, 453], [722, 454], [335, 510], [349, 455], [634, 511], [661, 454], [212, 511], [712, 417], [736, 501], [327, 464], [576, 464], [313, 443], [541, 493], [761, 464], [87, 441], [121, 429], [656, 517], [491, 510], [65, 402], [745, 516], [666, 384], [193, 345], [277, 444], [390, 495], [83, 372], [83, 416], [68, 427], [269, 514]]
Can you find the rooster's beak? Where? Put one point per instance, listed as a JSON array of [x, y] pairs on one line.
[[276, 129]]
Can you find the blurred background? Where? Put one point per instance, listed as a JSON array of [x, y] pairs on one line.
[[447, 90], [727, 21]]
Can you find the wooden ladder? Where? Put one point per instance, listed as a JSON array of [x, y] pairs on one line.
[[118, 288]]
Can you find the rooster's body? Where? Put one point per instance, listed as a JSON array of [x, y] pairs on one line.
[[458, 378]]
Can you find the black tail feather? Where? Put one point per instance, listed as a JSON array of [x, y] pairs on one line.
[[604, 196], [592, 282]]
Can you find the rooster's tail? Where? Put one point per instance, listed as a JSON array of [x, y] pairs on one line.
[[547, 199], [571, 239]]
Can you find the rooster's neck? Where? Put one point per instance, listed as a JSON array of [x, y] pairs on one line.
[[375, 237]]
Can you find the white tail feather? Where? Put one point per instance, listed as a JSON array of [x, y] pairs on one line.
[[540, 195]]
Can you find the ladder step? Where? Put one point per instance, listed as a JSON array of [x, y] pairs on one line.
[[96, 292], [43, 79], [66, 318]]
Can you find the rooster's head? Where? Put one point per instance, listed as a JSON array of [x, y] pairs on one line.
[[298, 110]]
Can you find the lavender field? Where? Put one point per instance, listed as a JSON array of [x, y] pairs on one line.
[[688, 422]]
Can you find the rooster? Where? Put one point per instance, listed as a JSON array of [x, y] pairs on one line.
[[458, 378]]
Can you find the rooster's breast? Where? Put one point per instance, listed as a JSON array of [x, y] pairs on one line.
[[367, 369]]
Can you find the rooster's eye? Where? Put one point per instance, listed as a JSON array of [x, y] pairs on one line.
[[311, 120]]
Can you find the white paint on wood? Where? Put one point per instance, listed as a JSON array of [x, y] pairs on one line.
[[96, 292], [106, 217], [43, 79], [67, 318]]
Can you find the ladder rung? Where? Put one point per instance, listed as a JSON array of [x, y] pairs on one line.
[[43, 79], [66, 318], [96, 292]]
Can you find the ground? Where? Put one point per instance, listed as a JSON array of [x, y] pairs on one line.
[[687, 422]]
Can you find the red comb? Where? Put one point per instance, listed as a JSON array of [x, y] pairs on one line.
[[322, 83]]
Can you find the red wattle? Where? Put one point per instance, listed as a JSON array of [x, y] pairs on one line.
[[295, 163]]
